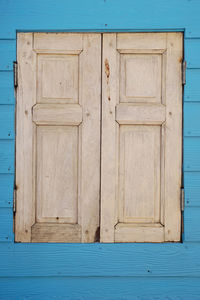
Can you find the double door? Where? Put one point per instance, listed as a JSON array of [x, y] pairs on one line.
[[98, 137]]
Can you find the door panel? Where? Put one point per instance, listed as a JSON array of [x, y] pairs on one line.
[[140, 77], [58, 137], [139, 174], [57, 78], [141, 137], [57, 182]]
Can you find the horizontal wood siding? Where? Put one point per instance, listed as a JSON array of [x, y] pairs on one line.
[[104, 260], [191, 221], [85, 288], [192, 119], [192, 91], [120, 271], [6, 224], [7, 122], [99, 15], [191, 153], [7, 53], [6, 87], [192, 141], [192, 57], [192, 189]]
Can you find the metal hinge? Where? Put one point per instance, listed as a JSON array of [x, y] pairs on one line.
[[182, 199], [184, 72], [15, 68], [14, 200]]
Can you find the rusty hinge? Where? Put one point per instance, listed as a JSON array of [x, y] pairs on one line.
[[182, 199], [14, 200], [15, 69], [184, 72]]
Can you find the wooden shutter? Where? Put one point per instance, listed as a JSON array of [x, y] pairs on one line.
[[141, 137], [58, 137]]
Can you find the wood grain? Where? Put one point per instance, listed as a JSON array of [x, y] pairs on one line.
[[58, 137], [57, 114], [100, 288], [54, 233], [141, 144], [25, 129]]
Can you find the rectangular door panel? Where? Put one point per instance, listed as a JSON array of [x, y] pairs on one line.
[[139, 170], [57, 174]]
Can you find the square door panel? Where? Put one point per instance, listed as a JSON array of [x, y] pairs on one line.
[[57, 78], [141, 78]]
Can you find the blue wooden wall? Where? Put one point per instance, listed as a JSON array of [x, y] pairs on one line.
[[101, 271]]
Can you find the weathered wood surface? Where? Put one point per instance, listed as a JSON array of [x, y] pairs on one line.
[[142, 142], [58, 141]]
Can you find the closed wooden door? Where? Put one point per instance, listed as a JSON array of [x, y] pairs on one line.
[[58, 137], [99, 137], [141, 137]]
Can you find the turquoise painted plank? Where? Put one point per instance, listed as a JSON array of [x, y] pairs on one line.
[[6, 224], [192, 119], [7, 151], [191, 179], [192, 196], [7, 54], [38, 260], [7, 121], [191, 154], [99, 15], [6, 190], [103, 288], [192, 87], [192, 189], [192, 50], [6, 88], [191, 224]]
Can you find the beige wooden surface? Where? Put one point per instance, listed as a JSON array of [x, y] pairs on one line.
[[58, 137], [173, 137], [57, 114], [139, 174], [55, 233], [109, 146], [141, 144], [57, 176], [61, 123], [25, 128]]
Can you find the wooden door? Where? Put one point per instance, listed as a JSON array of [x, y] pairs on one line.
[[58, 137], [141, 137]]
